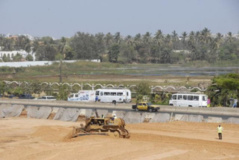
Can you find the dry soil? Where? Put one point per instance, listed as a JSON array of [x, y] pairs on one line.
[[34, 139]]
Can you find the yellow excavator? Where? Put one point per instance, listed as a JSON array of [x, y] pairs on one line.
[[109, 125]]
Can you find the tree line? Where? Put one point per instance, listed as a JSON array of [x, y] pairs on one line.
[[141, 48]]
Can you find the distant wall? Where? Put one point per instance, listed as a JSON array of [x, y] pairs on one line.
[[38, 63]]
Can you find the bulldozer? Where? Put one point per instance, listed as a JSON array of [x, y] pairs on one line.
[[96, 125]]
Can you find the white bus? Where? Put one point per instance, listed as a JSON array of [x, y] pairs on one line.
[[113, 95], [188, 100]]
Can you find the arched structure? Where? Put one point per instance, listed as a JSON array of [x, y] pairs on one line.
[[80, 86]]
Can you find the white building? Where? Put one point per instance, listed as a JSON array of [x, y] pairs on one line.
[[11, 54]]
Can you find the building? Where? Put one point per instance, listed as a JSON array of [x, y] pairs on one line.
[[11, 54]]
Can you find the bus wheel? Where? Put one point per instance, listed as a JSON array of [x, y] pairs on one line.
[[114, 102]]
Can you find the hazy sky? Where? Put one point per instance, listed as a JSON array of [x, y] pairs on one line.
[[59, 18]]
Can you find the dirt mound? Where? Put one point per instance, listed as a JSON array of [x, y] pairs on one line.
[[53, 133]]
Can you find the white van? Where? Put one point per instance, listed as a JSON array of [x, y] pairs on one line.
[[188, 100], [82, 95], [113, 95]]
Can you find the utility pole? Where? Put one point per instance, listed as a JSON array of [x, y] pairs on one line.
[[61, 70], [63, 41]]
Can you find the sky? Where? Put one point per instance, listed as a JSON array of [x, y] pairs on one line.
[[64, 18]]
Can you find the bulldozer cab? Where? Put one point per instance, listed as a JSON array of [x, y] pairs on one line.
[[95, 121]]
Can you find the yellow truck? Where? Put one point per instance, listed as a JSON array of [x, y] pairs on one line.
[[145, 106]]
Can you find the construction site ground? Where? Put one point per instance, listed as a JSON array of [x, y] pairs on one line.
[[37, 139]]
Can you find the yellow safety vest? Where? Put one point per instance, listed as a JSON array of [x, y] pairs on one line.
[[219, 129]]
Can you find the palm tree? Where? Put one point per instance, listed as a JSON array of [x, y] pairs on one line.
[[175, 40], [184, 35], [137, 41], [229, 35], [117, 38], [217, 41], [108, 40], [206, 35], [159, 37], [147, 44]]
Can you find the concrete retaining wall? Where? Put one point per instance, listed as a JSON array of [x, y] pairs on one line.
[[72, 114], [8, 110], [188, 118]]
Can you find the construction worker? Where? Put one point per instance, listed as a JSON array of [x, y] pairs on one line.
[[219, 131], [113, 117]]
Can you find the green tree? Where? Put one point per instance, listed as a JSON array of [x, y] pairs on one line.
[[114, 53], [17, 57], [22, 42], [2, 87], [29, 57], [46, 52], [6, 58], [63, 93], [142, 89], [84, 45], [223, 88]]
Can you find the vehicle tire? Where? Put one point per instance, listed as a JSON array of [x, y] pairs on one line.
[[114, 102], [150, 110], [116, 134]]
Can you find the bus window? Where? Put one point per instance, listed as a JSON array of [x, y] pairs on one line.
[[97, 93], [106, 93], [113, 93], [204, 98], [127, 93], [180, 97], [101, 93], [76, 95], [120, 93], [195, 98], [190, 98], [185, 97], [174, 97]]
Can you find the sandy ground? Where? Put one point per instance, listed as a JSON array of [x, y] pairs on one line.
[[34, 139]]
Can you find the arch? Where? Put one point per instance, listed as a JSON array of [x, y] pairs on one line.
[[170, 88], [54, 84], [199, 89], [100, 86], [121, 86], [132, 86], [67, 84], [76, 84], [156, 88], [160, 87], [44, 83], [89, 86], [109, 85]]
